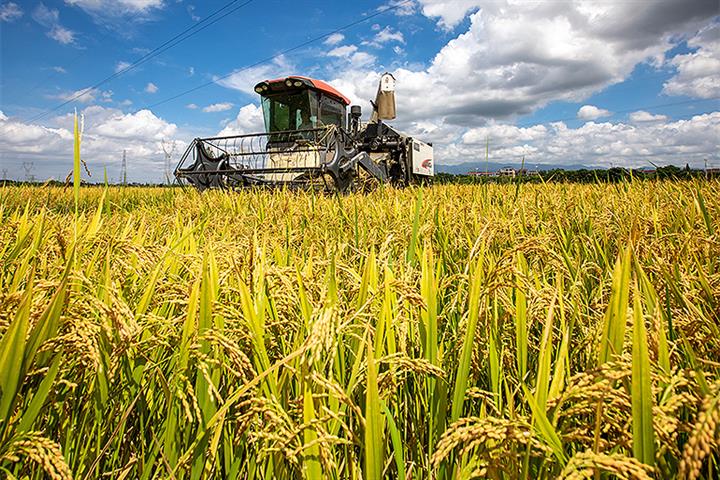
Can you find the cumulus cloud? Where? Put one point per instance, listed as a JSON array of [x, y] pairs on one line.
[[648, 138], [401, 8], [218, 107], [104, 9], [151, 88], [388, 35], [120, 66], [107, 133], [248, 120], [449, 13], [191, 12], [512, 58], [516, 57], [591, 112], [50, 19], [643, 116], [697, 72], [593, 144], [245, 79], [334, 39], [344, 51], [62, 34], [191, 106], [59, 69], [83, 95], [351, 55], [10, 11]]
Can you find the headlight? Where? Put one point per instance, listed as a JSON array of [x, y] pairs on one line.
[[289, 83], [258, 89], [298, 83]]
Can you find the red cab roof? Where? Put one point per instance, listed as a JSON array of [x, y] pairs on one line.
[[313, 83]]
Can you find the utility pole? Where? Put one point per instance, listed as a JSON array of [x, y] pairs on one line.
[[169, 151], [28, 167], [487, 154], [4, 174], [123, 170]]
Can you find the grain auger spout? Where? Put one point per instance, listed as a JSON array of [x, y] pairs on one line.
[[310, 141]]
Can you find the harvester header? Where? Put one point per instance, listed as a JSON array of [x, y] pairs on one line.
[[311, 140]]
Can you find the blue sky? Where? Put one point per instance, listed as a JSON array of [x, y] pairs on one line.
[[597, 83]]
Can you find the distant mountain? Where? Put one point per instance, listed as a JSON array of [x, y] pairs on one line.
[[492, 167]]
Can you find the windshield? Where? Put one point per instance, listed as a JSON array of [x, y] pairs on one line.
[[290, 111]]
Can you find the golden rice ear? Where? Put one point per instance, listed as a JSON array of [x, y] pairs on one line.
[[448, 332]]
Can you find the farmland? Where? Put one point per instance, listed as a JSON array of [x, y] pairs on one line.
[[490, 331]]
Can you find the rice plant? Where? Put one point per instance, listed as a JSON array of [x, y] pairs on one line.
[[445, 332]]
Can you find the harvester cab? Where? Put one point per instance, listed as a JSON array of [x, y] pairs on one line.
[[310, 141]]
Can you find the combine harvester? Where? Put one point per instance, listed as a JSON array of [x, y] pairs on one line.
[[310, 142]]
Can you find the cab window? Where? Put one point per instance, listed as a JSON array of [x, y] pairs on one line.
[[332, 112]]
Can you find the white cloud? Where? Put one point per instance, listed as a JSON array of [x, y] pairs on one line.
[[10, 11], [139, 126], [107, 133], [245, 80], [50, 19], [83, 95], [643, 116], [218, 107], [191, 12], [334, 39], [62, 34], [401, 8], [388, 35], [191, 71], [344, 51], [516, 57], [362, 59], [697, 72], [352, 56], [3, 117], [592, 144], [151, 88], [248, 120], [59, 69], [591, 112], [450, 13], [503, 133], [191, 106], [107, 8], [120, 66]]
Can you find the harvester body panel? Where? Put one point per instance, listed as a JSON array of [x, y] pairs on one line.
[[423, 162]]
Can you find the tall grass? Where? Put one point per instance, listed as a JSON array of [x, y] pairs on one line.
[[445, 332]]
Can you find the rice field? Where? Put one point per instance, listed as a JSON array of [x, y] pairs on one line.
[[446, 332]]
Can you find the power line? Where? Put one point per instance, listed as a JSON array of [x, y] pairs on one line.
[[284, 52], [168, 44], [80, 54]]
